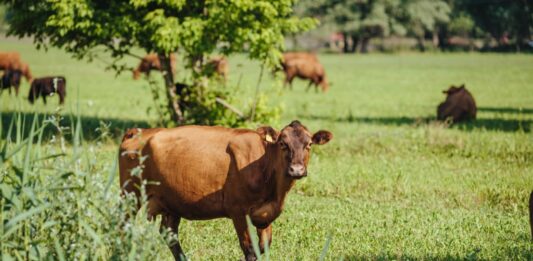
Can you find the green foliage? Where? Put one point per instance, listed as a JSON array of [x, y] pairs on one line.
[[60, 203], [425, 15], [195, 28], [390, 185], [380, 18], [461, 25]]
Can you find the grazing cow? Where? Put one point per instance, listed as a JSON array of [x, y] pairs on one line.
[[218, 65], [48, 86], [459, 105], [208, 172], [531, 213], [306, 68], [151, 62], [288, 56], [8, 60], [11, 79]]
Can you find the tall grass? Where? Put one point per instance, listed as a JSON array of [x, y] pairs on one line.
[[58, 203]]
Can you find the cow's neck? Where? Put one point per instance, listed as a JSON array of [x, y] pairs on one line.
[[279, 185]]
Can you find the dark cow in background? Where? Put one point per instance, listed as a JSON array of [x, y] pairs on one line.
[[206, 172], [10, 79], [459, 105], [151, 62], [305, 66], [48, 86]]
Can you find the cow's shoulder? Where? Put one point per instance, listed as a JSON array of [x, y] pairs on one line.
[[247, 150]]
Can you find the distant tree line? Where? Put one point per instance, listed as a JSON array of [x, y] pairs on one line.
[[502, 24]]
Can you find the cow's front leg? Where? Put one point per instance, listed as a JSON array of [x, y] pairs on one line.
[[265, 235], [239, 222]]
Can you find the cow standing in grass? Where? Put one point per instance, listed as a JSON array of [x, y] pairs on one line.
[[304, 66], [212, 172], [11, 78], [11, 61], [8, 60], [48, 86], [458, 106], [151, 62]]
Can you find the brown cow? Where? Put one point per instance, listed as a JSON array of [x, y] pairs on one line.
[[288, 56], [459, 105], [8, 60], [306, 68], [218, 65], [151, 62], [48, 86], [213, 172], [12, 61], [531, 213]]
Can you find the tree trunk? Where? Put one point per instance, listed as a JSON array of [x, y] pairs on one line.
[[346, 47], [364, 44], [355, 43], [173, 104], [435, 38], [421, 46]]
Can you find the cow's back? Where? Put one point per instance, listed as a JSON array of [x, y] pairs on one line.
[[191, 165]]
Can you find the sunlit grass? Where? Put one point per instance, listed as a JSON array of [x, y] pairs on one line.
[[391, 185]]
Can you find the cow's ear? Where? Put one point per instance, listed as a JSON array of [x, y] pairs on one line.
[[268, 134], [322, 137], [462, 86]]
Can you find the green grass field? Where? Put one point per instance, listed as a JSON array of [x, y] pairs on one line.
[[392, 184]]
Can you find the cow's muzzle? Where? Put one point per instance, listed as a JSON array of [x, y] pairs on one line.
[[297, 171]]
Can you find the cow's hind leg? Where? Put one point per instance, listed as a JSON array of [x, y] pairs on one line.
[[239, 222], [173, 223], [169, 221]]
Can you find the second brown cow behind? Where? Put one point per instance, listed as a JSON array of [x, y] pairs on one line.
[[151, 62], [213, 172], [304, 66], [458, 106]]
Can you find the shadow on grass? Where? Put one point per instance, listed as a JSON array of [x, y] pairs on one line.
[[92, 128], [507, 125], [505, 110]]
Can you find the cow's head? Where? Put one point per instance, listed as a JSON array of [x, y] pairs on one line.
[[294, 144], [454, 89]]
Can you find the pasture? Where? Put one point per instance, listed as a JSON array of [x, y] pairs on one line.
[[392, 184]]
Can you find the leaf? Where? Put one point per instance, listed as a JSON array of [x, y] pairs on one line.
[[12, 225]]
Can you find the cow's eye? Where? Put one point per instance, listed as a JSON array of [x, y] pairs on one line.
[[283, 145]]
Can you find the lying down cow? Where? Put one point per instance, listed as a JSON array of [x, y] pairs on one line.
[[212, 172]]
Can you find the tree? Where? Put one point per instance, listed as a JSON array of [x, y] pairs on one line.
[[425, 16], [195, 28], [502, 19], [360, 20]]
